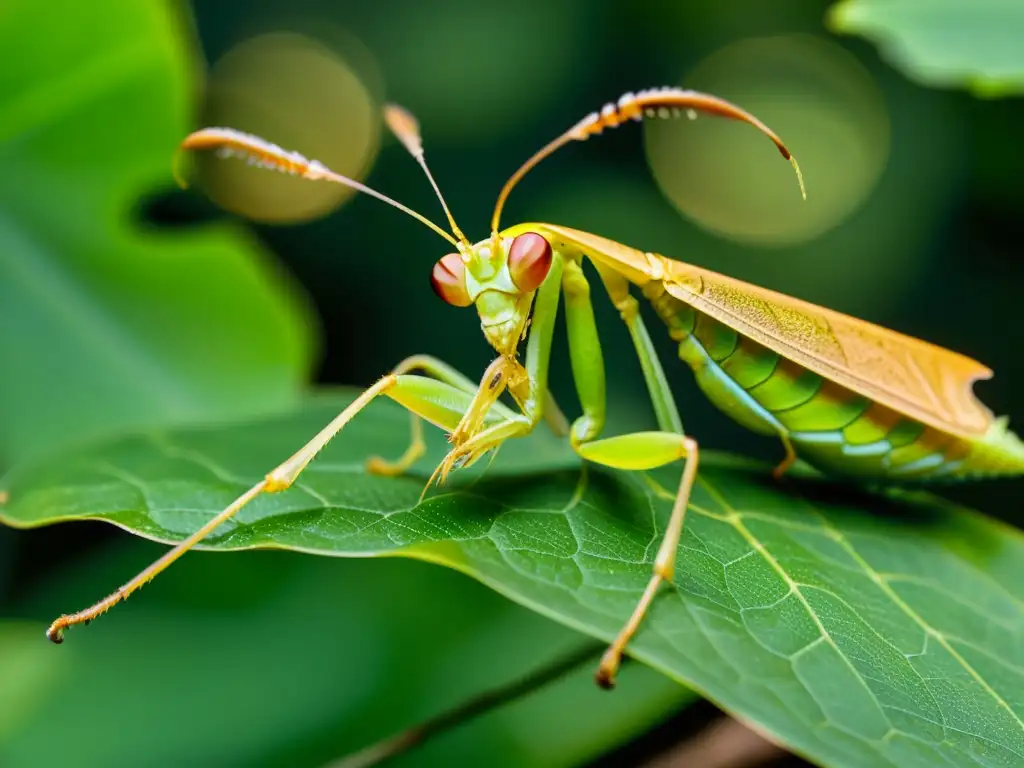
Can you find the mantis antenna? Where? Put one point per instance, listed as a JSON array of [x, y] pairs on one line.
[[228, 142], [406, 129], [656, 102]]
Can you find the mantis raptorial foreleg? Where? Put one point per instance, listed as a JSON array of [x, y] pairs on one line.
[[436, 401], [565, 277], [437, 369], [531, 391], [440, 370]]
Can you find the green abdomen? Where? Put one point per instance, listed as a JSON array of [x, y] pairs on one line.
[[832, 428]]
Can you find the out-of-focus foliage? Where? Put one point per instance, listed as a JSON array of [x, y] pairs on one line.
[[279, 660], [972, 43], [130, 326], [856, 629], [29, 675]]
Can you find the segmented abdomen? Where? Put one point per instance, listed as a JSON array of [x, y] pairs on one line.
[[829, 426]]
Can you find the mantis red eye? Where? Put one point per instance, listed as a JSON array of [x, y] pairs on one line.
[[449, 281], [529, 259]]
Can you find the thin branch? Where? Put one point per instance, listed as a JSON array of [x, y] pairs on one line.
[[392, 746]]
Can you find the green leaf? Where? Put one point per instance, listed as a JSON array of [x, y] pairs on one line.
[[943, 43], [860, 630], [271, 659], [94, 99]]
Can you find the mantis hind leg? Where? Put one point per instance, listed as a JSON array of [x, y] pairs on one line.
[[636, 451], [642, 451], [440, 403]]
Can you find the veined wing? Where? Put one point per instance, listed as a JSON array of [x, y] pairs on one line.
[[921, 380]]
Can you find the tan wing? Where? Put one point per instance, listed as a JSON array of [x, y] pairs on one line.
[[921, 380]]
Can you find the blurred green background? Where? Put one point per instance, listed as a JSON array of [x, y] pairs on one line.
[[270, 659]]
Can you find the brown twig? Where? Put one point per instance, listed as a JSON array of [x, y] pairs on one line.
[[392, 746]]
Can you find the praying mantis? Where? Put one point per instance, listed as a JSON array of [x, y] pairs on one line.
[[850, 398]]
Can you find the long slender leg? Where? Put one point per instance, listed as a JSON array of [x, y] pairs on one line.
[[584, 355], [435, 401], [667, 414], [657, 384], [638, 451], [665, 409]]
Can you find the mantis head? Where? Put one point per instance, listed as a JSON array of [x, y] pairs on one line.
[[500, 281], [499, 275]]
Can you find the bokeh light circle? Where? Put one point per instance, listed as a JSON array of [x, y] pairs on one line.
[[296, 92], [729, 179]]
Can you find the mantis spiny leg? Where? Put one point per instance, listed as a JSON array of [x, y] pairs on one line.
[[430, 399], [531, 391], [437, 369]]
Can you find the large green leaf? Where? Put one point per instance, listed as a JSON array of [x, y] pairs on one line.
[[860, 630], [973, 43], [94, 98]]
